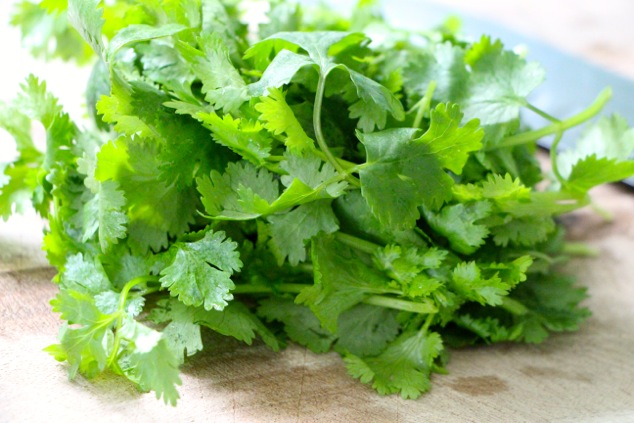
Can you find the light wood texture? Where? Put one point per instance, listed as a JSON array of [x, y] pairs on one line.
[[580, 377]]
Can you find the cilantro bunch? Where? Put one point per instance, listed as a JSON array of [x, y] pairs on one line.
[[333, 182]]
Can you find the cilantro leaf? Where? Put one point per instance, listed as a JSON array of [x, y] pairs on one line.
[[374, 100], [236, 320], [444, 65], [243, 137], [342, 280], [199, 272], [84, 348], [289, 231], [404, 367], [86, 17], [403, 172], [499, 84], [300, 324], [136, 33], [458, 224], [149, 362], [223, 86], [366, 330], [182, 333], [103, 215], [279, 119]]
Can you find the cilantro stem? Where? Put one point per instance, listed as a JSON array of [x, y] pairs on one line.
[[288, 288], [514, 306], [357, 243], [553, 158], [424, 104], [427, 324], [321, 141], [604, 213], [579, 249], [120, 312], [554, 128], [542, 113], [345, 164], [426, 307]]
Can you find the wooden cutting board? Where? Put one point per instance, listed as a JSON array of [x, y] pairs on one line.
[[585, 376]]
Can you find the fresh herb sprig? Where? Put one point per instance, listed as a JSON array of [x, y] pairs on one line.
[[334, 182]]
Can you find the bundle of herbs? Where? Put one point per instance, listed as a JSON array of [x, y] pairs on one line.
[[337, 183]]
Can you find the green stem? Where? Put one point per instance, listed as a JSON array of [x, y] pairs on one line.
[[345, 164], [357, 243], [542, 113], [604, 213], [321, 141], [539, 255], [579, 249], [377, 300], [403, 305], [289, 288], [424, 104], [553, 159], [514, 306], [123, 296], [532, 136], [428, 322]]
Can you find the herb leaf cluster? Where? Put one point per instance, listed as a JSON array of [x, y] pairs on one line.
[[338, 183]]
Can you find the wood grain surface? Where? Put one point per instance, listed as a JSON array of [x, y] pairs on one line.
[[586, 376]]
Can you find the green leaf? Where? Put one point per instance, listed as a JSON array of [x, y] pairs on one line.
[[84, 348], [405, 264], [458, 224], [320, 45], [526, 231], [342, 280], [104, 215], [182, 333], [310, 171], [84, 274], [469, 282], [199, 272], [225, 195], [554, 304], [244, 192], [278, 118], [499, 84], [280, 72], [137, 33], [156, 209], [46, 32], [366, 330], [443, 64], [149, 362], [375, 101], [248, 139], [609, 138], [591, 171], [86, 17], [223, 85], [236, 320], [403, 172], [290, 231], [300, 324], [404, 367], [488, 284]]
